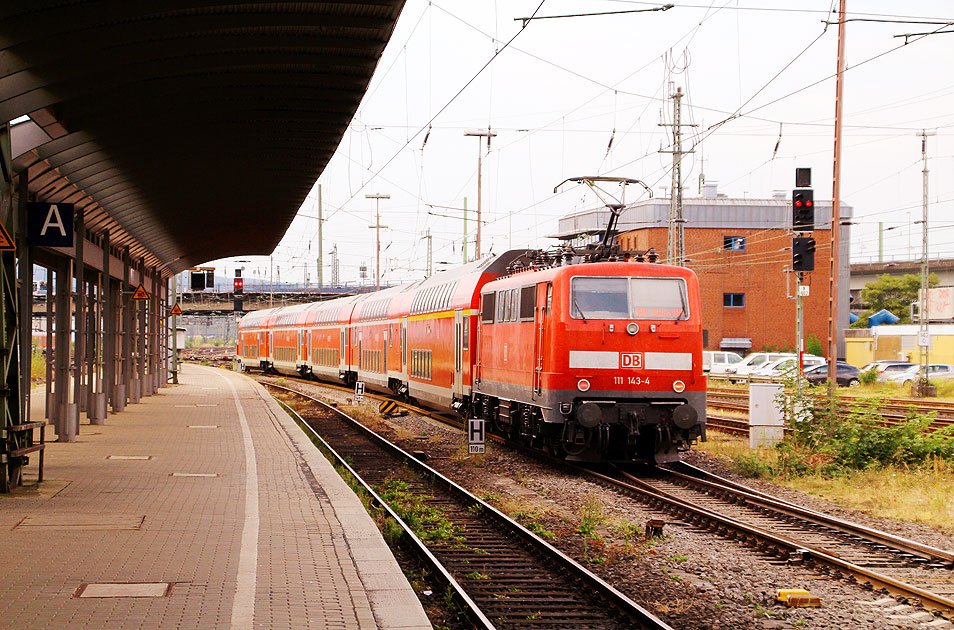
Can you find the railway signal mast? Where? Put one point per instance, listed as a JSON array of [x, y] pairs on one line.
[[803, 255]]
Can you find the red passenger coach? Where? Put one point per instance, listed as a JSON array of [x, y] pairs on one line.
[[593, 361]]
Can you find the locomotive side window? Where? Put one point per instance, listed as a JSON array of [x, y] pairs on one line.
[[465, 343], [628, 298], [487, 308], [501, 306], [528, 302]]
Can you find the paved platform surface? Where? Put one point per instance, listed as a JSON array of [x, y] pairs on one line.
[[235, 515]]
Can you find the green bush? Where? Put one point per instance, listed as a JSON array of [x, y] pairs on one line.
[[869, 377], [827, 440], [813, 346]]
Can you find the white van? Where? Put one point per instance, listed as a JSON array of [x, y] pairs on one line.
[[718, 359], [752, 362]]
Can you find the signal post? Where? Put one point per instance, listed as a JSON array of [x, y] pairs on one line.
[[803, 255]]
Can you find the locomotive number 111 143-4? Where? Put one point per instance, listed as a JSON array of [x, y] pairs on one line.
[[630, 380]]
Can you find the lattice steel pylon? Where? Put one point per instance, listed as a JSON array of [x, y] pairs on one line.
[[10, 395]]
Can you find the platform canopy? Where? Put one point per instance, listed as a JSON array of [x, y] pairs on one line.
[[190, 130]]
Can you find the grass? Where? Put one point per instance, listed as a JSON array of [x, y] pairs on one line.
[[37, 367], [924, 495]]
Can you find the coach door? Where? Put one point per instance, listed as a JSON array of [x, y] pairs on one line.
[[341, 351], [458, 351], [541, 316], [404, 345]]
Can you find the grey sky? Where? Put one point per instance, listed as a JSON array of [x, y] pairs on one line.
[[561, 88]]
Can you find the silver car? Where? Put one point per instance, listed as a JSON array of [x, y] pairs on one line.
[[935, 371]]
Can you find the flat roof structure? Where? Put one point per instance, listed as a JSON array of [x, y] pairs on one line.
[[189, 130]]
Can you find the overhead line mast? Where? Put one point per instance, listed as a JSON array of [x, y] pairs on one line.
[[676, 246]]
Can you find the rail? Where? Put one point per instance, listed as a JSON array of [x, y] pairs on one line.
[[593, 586]]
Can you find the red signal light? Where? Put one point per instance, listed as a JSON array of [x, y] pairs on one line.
[[808, 204], [238, 283], [798, 204]]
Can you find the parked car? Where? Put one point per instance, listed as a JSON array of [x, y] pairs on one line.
[[847, 375], [718, 359], [779, 367], [886, 368], [935, 371], [752, 362]]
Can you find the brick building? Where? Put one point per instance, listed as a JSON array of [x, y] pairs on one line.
[[740, 249]]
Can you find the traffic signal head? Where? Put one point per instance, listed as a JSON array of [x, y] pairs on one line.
[[238, 286], [803, 210], [803, 253]]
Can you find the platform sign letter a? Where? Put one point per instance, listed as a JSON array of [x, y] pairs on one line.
[[50, 224]]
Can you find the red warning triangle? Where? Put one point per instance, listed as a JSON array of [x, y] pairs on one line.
[[6, 243], [176, 310], [140, 293]]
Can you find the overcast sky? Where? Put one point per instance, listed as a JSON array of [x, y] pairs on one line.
[[561, 88]]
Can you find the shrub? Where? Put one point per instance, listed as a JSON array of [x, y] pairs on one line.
[[813, 346], [869, 377]]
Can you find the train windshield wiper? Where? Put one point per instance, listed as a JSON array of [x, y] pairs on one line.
[[580, 310]]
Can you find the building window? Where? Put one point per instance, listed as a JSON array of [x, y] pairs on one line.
[[733, 243], [733, 299]]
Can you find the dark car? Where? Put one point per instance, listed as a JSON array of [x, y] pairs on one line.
[[847, 375]]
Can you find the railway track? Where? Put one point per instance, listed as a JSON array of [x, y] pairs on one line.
[[902, 567], [504, 575], [793, 533], [892, 410]]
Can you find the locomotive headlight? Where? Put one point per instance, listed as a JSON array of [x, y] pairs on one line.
[[632, 328], [678, 387], [583, 385]]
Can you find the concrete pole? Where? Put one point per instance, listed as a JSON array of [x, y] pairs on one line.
[[175, 331], [109, 330], [80, 393], [834, 260], [377, 236], [320, 243]]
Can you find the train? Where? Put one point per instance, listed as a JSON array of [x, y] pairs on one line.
[[593, 359]]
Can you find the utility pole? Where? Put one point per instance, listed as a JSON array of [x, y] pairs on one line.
[[271, 282], [924, 335], [430, 253], [676, 246], [834, 259], [320, 243], [480, 133], [464, 246], [334, 266], [377, 235]]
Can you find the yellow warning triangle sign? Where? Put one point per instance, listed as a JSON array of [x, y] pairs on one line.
[[6, 243], [176, 310], [140, 293]]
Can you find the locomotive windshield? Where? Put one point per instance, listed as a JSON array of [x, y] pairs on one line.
[[628, 298]]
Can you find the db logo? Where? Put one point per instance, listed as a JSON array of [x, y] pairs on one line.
[[631, 360]]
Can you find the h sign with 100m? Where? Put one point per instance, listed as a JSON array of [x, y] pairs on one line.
[[359, 391], [475, 436]]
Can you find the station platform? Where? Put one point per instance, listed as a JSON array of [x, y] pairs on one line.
[[203, 506]]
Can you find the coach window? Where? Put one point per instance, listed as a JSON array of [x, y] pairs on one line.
[[487, 308], [465, 343]]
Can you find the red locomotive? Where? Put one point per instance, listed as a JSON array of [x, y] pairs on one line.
[[596, 361]]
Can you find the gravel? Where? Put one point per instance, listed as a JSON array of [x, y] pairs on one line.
[[690, 578]]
